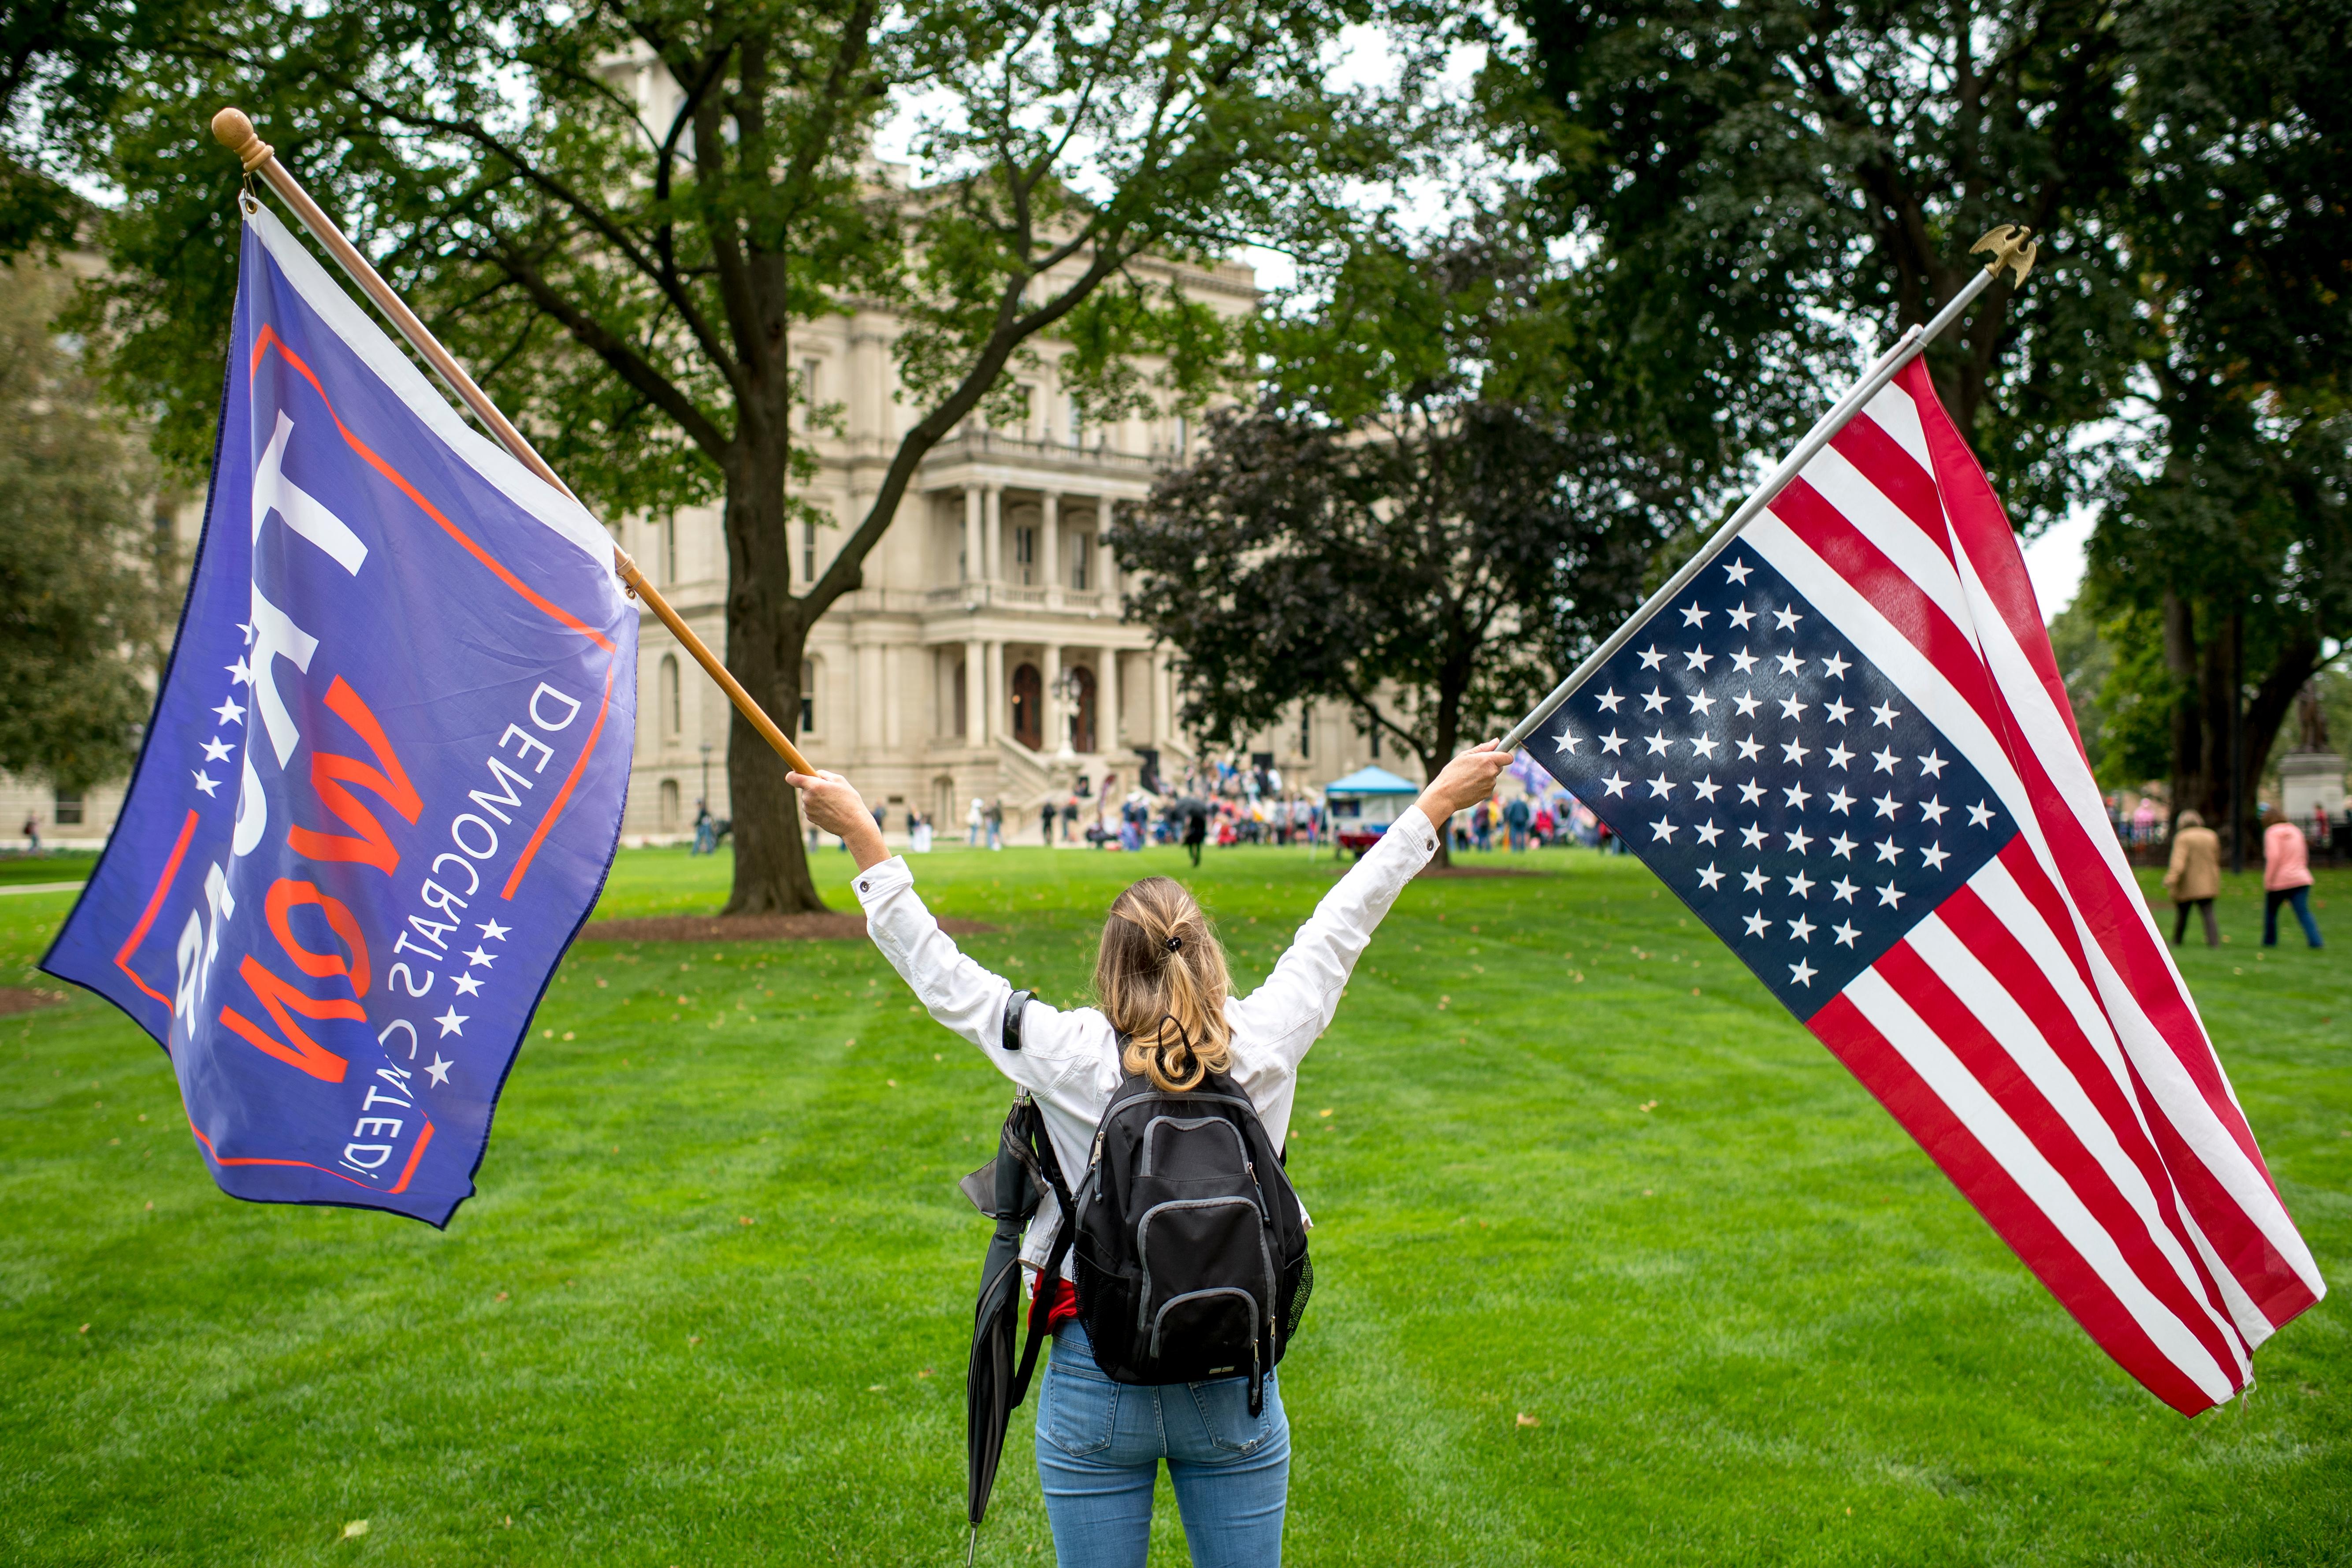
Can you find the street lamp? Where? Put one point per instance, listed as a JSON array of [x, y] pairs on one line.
[[1066, 695]]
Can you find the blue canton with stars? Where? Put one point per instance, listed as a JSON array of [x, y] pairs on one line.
[[1775, 780]]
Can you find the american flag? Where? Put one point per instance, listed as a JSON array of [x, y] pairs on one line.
[[1847, 748]]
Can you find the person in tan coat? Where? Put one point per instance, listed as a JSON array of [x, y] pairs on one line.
[[2195, 876]]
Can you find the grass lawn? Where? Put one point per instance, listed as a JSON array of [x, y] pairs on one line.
[[1614, 1265]]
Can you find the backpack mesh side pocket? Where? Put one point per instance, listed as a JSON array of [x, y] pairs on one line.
[[1299, 1301]]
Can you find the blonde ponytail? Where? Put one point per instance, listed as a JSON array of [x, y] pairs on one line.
[[1162, 980]]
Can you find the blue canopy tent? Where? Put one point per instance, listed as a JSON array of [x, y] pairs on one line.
[[1362, 805]]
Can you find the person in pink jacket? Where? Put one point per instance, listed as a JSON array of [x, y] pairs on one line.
[[2286, 879]]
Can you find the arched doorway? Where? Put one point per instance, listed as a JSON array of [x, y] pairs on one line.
[[1082, 718], [1028, 707]]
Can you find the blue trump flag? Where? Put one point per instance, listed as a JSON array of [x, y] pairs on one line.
[[384, 777]]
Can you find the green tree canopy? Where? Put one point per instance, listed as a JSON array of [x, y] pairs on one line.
[[1411, 520], [620, 214], [1755, 182], [2229, 541]]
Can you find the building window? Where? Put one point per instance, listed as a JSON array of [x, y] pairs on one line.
[[808, 550], [1306, 731], [808, 714], [668, 551], [1029, 706], [1177, 435], [1024, 553], [1081, 560], [66, 810], [1082, 709], [1077, 422], [672, 720], [812, 682], [669, 806], [808, 392]]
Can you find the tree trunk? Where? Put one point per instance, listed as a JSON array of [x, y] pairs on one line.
[[1449, 741], [765, 639], [2273, 702], [2188, 742]]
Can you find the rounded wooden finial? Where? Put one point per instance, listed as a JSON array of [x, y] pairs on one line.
[[236, 132]]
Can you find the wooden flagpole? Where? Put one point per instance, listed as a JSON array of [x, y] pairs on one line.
[[236, 132]]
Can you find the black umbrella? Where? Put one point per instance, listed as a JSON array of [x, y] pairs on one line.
[[1007, 1189]]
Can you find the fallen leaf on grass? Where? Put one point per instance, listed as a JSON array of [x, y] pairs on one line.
[[355, 1528], [1527, 1420]]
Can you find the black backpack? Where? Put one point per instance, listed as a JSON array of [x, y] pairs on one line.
[[1191, 1248]]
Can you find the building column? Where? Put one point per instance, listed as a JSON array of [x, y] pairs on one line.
[[1106, 701], [890, 698], [1049, 546], [1163, 700], [868, 697], [975, 694], [999, 721], [1108, 567], [1052, 728], [972, 559], [991, 533]]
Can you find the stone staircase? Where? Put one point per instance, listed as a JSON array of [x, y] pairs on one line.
[[1022, 778]]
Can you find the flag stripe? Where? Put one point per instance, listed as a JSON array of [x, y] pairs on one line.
[[1993, 1038], [1987, 1184], [2043, 1191], [2078, 839], [1845, 565]]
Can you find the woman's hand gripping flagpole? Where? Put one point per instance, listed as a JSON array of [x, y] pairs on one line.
[[2010, 250], [234, 131]]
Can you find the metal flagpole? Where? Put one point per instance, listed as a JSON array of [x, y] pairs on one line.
[[2007, 243], [236, 132]]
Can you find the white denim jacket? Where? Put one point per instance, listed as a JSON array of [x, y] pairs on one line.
[[1069, 1060]]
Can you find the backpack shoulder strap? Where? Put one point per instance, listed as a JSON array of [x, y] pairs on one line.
[[1064, 1231]]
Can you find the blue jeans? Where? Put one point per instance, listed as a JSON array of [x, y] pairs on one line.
[[1100, 1445], [2301, 899]]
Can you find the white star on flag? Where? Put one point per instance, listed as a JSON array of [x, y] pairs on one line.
[[439, 1070], [467, 984], [476, 956], [452, 1023], [210, 786], [215, 750], [229, 712]]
